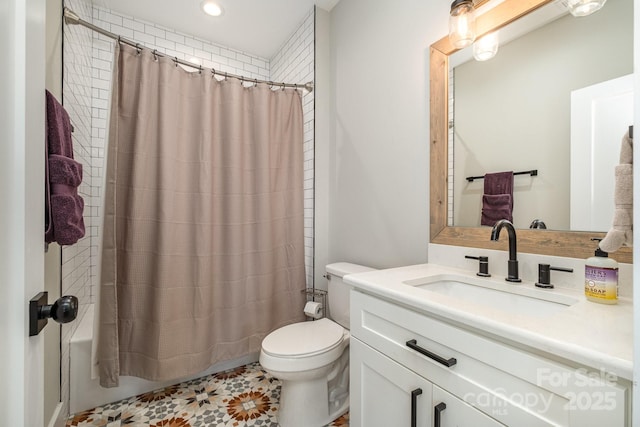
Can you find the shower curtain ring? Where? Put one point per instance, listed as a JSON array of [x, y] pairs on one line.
[[175, 58], [255, 82], [213, 73], [155, 55], [138, 48], [200, 69]]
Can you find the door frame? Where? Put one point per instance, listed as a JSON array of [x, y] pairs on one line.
[[22, 26], [595, 131]]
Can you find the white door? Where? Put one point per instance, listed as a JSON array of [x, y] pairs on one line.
[[384, 393], [600, 116], [21, 208]]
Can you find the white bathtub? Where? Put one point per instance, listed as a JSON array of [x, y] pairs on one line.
[[86, 393]]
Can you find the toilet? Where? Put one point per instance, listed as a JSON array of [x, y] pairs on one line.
[[311, 359]]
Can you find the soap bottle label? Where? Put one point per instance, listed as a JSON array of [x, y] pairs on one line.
[[601, 283]]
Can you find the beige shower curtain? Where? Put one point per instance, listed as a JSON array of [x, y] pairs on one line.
[[203, 251]]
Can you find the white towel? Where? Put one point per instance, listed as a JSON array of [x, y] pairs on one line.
[[621, 233]]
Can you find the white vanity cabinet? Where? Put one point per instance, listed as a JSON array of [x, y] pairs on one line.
[[388, 394], [465, 378]]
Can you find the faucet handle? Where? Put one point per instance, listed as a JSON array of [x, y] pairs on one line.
[[544, 275], [483, 265], [538, 223]]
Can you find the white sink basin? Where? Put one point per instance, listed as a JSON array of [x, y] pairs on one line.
[[511, 298]]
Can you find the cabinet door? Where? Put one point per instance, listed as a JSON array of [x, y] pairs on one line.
[[449, 411], [384, 394]]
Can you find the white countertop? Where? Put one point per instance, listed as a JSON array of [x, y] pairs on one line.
[[596, 335]]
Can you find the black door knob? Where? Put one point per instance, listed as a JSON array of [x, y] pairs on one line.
[[64, 310]]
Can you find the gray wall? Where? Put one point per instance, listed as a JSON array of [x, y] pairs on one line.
[[378, 147]]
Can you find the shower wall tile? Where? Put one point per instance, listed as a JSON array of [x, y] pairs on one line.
[[77, 95], [174, 43], [295, 63]]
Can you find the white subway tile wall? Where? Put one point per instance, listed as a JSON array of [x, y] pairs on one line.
[[295, 63], [77, 259], [87, 81]]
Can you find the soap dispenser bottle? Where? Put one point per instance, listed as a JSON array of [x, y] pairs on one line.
[[601, 278]]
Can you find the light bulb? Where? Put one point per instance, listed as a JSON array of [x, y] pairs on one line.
[[211, 8], [486, 47], [462, 23], [584, 7]]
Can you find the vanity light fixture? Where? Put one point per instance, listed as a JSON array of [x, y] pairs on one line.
[[462, 23], [584, 7], [211, 8], [486, 47]]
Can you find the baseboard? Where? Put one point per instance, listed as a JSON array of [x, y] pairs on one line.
[[57, 419]]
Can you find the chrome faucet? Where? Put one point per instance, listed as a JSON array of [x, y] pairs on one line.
[[512, 265]]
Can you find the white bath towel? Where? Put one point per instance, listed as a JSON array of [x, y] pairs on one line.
[[621, 233]]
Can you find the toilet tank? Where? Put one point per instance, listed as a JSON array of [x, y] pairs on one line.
[[338, 298]]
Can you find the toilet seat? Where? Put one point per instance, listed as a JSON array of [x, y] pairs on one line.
[[304, 339]]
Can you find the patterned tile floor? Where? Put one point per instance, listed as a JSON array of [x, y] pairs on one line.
[[245, 396]]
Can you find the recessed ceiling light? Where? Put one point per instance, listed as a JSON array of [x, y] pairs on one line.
[[211, 8]]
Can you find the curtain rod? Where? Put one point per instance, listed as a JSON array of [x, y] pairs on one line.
[[71, 18]]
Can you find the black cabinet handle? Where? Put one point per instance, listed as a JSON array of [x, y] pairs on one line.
[[414, 406], [437, 410], [413, 344]]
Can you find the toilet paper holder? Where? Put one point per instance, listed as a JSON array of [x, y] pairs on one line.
[[317, 295]]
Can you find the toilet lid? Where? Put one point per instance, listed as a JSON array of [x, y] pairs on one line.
[[303, 338]]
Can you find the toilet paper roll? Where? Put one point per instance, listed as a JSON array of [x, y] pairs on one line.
[[313, 309]]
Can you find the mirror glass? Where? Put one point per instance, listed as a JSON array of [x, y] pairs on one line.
[[557, 99]]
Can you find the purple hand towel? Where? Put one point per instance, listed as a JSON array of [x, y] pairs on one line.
[[64, 222], [63, 170], [501, 207], [68, 228], [496, 207], [58, 135]]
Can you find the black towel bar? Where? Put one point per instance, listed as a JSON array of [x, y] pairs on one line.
[[533, 172]]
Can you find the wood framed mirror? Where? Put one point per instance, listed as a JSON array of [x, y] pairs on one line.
[[545, 242]]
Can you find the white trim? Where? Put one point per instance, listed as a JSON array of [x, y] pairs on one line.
[[636, 216], [22, 36], [57, 420]]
